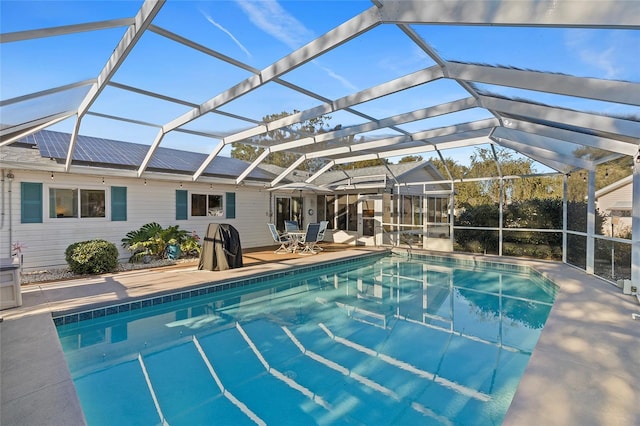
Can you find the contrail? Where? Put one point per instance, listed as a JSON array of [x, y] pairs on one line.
[[271, 18], [221, 28]]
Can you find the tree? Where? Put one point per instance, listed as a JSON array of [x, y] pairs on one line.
[[253, 147], [457, 170], [410, 159], [362, 164], [483, 165], [606, 173]]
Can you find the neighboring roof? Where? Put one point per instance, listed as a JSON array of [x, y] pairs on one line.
[[384, 176], [614, 186], [108, 153], [293, 176], [391, 171]]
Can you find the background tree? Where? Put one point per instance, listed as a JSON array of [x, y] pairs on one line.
[[457, 170], [251, 149], [361, 164], [410, 159], [606, 173]]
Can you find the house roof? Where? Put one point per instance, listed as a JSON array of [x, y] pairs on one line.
[[391, 173], [99, 152], [528, 106]]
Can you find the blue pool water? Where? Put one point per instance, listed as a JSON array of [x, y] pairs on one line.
[[380, 341]]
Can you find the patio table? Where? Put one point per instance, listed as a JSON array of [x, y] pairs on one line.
[[296, 238]]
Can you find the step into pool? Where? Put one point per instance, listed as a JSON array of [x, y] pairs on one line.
[[379, 341]]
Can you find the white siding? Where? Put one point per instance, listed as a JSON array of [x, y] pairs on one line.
[[605, 203], [154, 202], [620, 195]]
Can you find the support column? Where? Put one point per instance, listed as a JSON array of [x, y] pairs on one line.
[[565, 192], [452, 210], [635, 223], [501, 216], [591, 221]]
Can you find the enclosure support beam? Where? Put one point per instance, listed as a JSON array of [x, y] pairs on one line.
[[501, 217], [591, 221], [635, 224], [141, 22], [452, 210], [565, 192]]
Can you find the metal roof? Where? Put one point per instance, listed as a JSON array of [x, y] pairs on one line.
[[101, 152], [437, 98]]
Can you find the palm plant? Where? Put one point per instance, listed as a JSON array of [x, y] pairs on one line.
[[152, 240], [141, 242]]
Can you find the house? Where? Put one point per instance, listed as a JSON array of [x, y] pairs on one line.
[[45, 209], [614, 201]]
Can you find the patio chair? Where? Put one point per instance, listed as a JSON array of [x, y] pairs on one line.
[[321, 231], [284, 240], [291, 225], [310, 239]]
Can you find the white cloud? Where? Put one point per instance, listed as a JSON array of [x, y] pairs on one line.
[[223, 29], [271, 18], [594, 53]]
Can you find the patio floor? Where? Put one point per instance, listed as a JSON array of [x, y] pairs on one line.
[[585, 369]]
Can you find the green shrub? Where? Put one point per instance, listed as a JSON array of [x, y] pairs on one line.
[[92, 257], [152, 240]]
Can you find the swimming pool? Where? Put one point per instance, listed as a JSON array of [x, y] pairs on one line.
[[382, 340]]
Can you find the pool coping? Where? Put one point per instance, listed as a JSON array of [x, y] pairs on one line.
[[105, 309], [584, 369]]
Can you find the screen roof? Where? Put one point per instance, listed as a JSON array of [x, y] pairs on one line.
[[550, 80]]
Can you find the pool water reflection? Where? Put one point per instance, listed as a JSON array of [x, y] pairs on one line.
[[383, 341]]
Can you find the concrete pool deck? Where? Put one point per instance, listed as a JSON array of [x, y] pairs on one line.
[[585, 369]]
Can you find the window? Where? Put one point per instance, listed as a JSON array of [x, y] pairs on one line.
[[206, 205], [407, 203], [341, 216], [74, 203], [347, 216], [438, 209], [325, 209]]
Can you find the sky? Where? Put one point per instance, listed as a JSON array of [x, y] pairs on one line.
[[257, 33]]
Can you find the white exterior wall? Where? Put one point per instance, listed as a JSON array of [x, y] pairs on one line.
[[46, 242], [622, 194], [609, 200]]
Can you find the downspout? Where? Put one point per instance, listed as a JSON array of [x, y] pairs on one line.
[[9, 176]]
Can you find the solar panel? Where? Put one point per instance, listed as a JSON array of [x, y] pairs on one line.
[[109, 152]]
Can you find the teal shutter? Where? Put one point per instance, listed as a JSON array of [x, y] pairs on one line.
[[30, 202], [118, 203], [181, 204], [231, 205]]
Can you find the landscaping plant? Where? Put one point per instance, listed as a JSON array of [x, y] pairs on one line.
[[152, 240], [92, 257]]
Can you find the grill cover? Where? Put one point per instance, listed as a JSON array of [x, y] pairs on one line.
[[221, 248]]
